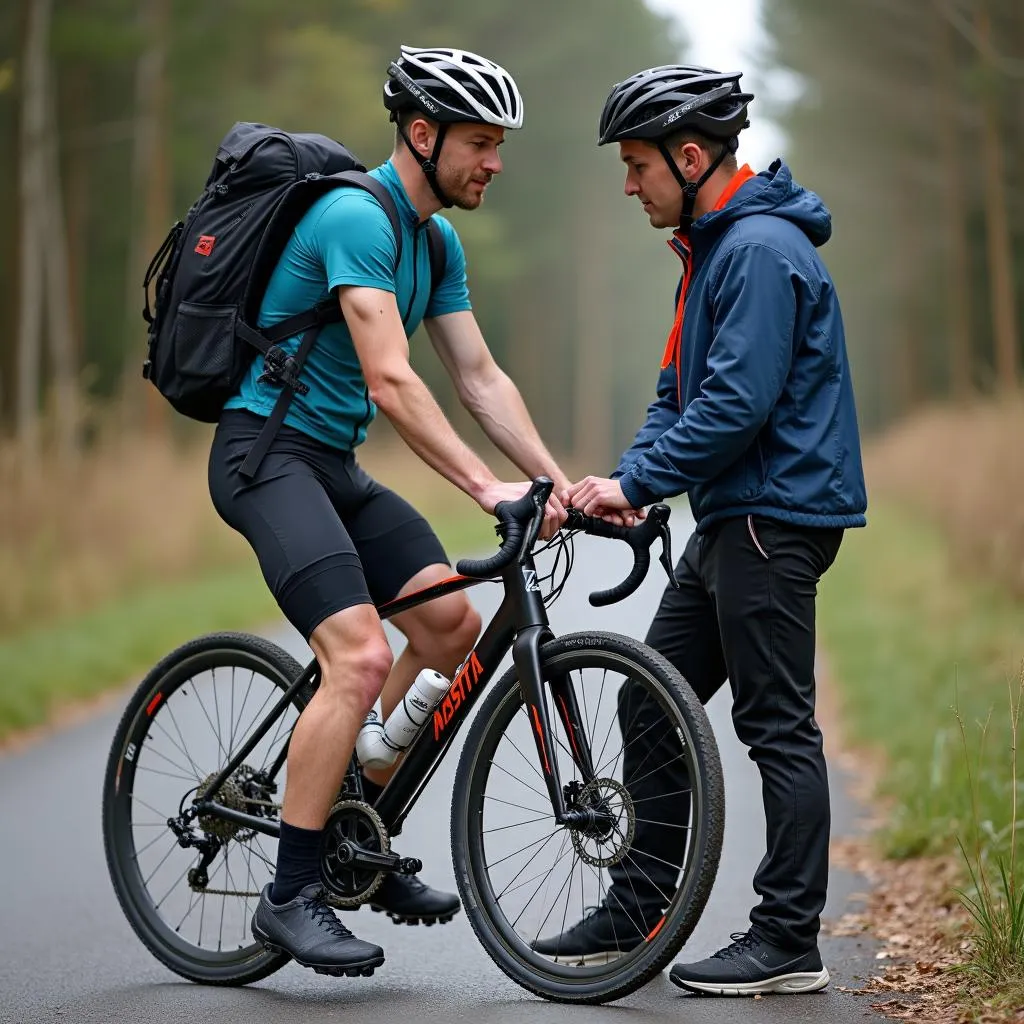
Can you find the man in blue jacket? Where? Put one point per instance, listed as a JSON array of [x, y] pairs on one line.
[[755, 421]]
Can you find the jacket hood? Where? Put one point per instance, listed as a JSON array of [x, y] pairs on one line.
[[772, 192]]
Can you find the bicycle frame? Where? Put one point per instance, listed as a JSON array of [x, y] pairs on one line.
[[520, 624]]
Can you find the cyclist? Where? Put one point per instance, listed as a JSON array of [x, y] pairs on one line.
[[330, 540], [754, 420]]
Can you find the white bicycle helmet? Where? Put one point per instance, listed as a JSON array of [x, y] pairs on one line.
[[450, 86]]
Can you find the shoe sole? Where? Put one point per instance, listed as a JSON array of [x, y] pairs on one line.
[[427, 919], [361, 968], [784, 984]]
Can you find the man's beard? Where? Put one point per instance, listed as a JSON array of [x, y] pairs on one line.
[[456, 186]]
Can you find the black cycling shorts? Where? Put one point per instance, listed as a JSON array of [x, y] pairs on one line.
[[326, 534]]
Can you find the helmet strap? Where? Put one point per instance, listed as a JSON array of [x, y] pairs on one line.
[[691, 188], [429, 164]]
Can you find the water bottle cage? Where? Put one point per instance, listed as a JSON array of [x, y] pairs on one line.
[[282, 371]]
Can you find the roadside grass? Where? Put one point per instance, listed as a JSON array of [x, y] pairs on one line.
[[110, 564], [925, 657]]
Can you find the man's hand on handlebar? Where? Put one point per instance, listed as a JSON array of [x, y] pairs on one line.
[[601, 497], [554, 512]]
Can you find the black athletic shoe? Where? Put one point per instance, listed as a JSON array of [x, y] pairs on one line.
[[407, 900], [749, 966], [308, 931], [602, 936]]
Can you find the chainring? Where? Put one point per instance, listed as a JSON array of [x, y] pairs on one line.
[[357, 822], [594, 793]]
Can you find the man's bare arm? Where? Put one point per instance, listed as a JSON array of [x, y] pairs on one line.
[[373, 320], [490, 396]]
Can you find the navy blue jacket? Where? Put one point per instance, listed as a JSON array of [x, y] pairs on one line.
[[764, 421]]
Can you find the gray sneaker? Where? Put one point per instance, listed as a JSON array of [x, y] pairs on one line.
[[749, 966], [307, 929]]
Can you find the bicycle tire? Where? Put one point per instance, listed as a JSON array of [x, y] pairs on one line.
[[248, 963], [619, 978]]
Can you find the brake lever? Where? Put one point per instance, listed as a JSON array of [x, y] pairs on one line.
[[540, 500], [661, 514]]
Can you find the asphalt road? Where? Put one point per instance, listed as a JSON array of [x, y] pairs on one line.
[[67, 954]]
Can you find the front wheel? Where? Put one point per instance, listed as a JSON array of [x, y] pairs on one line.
[[656, 787]]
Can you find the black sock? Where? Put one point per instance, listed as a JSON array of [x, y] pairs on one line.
[[298, 862], [371, 790]]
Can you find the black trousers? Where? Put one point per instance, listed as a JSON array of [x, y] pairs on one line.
[[745, 611]]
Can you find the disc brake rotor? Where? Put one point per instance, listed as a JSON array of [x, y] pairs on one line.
[[615, 842]]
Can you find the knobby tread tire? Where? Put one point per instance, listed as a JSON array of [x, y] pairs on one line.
[[261, 963], [707, 847]]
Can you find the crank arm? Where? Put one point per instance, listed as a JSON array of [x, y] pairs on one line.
[[353, 855]]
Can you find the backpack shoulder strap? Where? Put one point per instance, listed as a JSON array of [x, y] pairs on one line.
[[310, 322], [360, 179], [438, 255]]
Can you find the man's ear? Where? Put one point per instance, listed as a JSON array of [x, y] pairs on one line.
[[690, 158]]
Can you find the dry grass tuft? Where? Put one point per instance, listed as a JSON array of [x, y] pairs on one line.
[[964, 469]]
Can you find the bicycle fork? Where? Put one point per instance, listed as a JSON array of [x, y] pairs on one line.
[[526, 656]]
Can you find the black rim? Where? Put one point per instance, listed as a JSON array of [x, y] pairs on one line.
[[534, 879], [185, 730]]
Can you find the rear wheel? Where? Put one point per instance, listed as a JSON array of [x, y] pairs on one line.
[[183, 724], [523, 877]]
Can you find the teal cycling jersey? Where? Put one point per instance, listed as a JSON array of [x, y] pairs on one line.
[[345, 238]]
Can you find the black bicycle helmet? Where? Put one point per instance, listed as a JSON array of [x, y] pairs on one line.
[[656, 103], [450, 86]]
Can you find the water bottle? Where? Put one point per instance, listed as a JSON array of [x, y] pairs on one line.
[[377, 745]]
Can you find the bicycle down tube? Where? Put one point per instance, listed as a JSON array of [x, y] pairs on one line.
[[520, 624]]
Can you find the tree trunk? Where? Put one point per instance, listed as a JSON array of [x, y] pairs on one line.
[[592, 378], [31, 186], [957, 262], [150, 201], [1000, 254], [62, 347]]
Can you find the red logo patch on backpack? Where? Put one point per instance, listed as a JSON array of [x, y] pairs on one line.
[[205, 245]]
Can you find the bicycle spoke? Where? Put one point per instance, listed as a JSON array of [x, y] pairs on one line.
[[174, 885], [245, 701], [515, 824], [626, 745], [558, 896], [167, 775], [216, 707], [206, 714], [174, 846], [661, 796], [540, 874], [149, 807], [532, 859], [272, 747], [523, 849], [179, 747], [192, 904], [543, 796], [653, 771], [664, 824], [652, 748], [140, 852], [533, 766], [521, 807], [174, 764]]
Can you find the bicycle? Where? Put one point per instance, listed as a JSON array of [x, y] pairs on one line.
[[215, 799]]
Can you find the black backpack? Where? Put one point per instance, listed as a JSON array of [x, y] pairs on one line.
[[212, 269]]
